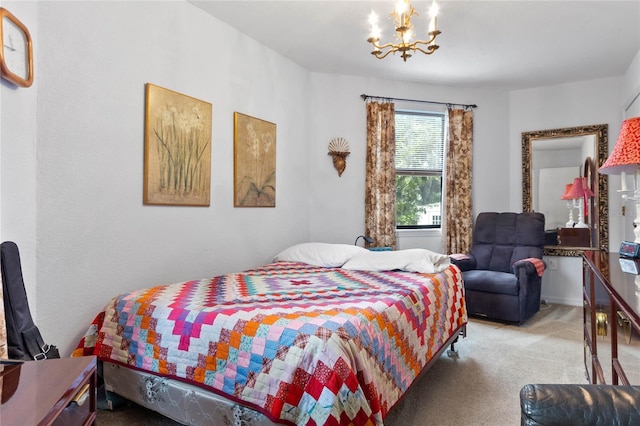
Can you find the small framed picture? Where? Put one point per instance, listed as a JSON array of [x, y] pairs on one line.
[[254, 183]]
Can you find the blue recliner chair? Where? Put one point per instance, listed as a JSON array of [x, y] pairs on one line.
[[503, 272]]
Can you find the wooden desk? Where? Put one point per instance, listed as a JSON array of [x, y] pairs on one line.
[[611, 307], [50, 392]]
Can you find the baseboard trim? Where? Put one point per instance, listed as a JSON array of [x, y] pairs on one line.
[[568, 302]]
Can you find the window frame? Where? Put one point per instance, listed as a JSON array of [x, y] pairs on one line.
[[425, 172]]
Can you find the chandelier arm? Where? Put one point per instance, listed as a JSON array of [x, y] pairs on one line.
[[380, 56], [396, 47], [384, 46], [417, 42], [427, 52], [433, 36]]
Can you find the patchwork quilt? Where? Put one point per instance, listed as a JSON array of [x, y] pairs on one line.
[[304, 345]]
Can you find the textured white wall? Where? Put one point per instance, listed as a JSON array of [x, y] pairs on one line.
[[631, 92], [18, 159], [95, 237]]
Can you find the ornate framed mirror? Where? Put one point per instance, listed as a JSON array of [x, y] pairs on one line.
[[553, 159]]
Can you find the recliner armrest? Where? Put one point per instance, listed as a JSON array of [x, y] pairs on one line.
[[532, 265], [575, 404], [465, 262]]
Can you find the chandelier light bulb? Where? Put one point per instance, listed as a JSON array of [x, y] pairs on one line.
[[434, 9], [401, 7], [375, 29], [373, 18]]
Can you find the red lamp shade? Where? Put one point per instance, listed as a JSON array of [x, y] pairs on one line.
[[567, 192], [626, 154], [580, 189]]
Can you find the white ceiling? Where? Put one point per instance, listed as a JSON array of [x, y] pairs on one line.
[[509, 44]]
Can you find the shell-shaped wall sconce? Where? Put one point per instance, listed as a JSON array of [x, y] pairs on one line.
[[339, 149]]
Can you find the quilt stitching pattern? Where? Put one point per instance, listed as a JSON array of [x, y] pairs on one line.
[[304, 344]]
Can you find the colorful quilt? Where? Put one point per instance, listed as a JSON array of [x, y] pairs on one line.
[[302, 344]]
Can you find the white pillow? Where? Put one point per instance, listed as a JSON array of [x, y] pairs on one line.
[[411, 260], [320, 254]]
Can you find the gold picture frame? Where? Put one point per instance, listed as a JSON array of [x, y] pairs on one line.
[[254, 171], [177, 154]]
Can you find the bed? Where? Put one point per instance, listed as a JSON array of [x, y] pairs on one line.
[[334, 336]]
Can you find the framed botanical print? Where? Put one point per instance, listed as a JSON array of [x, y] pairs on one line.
[[177, 155], [254, 183]]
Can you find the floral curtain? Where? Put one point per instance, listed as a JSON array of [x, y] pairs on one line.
[[458, 214], [380, 182]]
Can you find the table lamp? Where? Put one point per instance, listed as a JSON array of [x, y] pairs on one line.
[[580, 193], [624, 159], [569, 200]]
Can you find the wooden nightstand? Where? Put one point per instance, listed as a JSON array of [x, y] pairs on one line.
[[50, 392]]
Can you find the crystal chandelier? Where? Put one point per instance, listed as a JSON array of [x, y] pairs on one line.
[[404, 32]]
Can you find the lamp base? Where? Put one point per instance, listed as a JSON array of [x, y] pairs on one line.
[[571, 222], [581, 223]]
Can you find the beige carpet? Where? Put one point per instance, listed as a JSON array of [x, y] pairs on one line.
[[482, 386]]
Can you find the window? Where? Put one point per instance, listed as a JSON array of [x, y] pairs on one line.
[[419, 163]]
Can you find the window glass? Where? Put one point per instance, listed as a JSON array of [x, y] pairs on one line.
[[419, 162]]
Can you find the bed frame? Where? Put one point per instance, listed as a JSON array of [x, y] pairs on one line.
[[193, 405]]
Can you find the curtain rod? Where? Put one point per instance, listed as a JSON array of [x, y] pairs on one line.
[[365, 97]]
